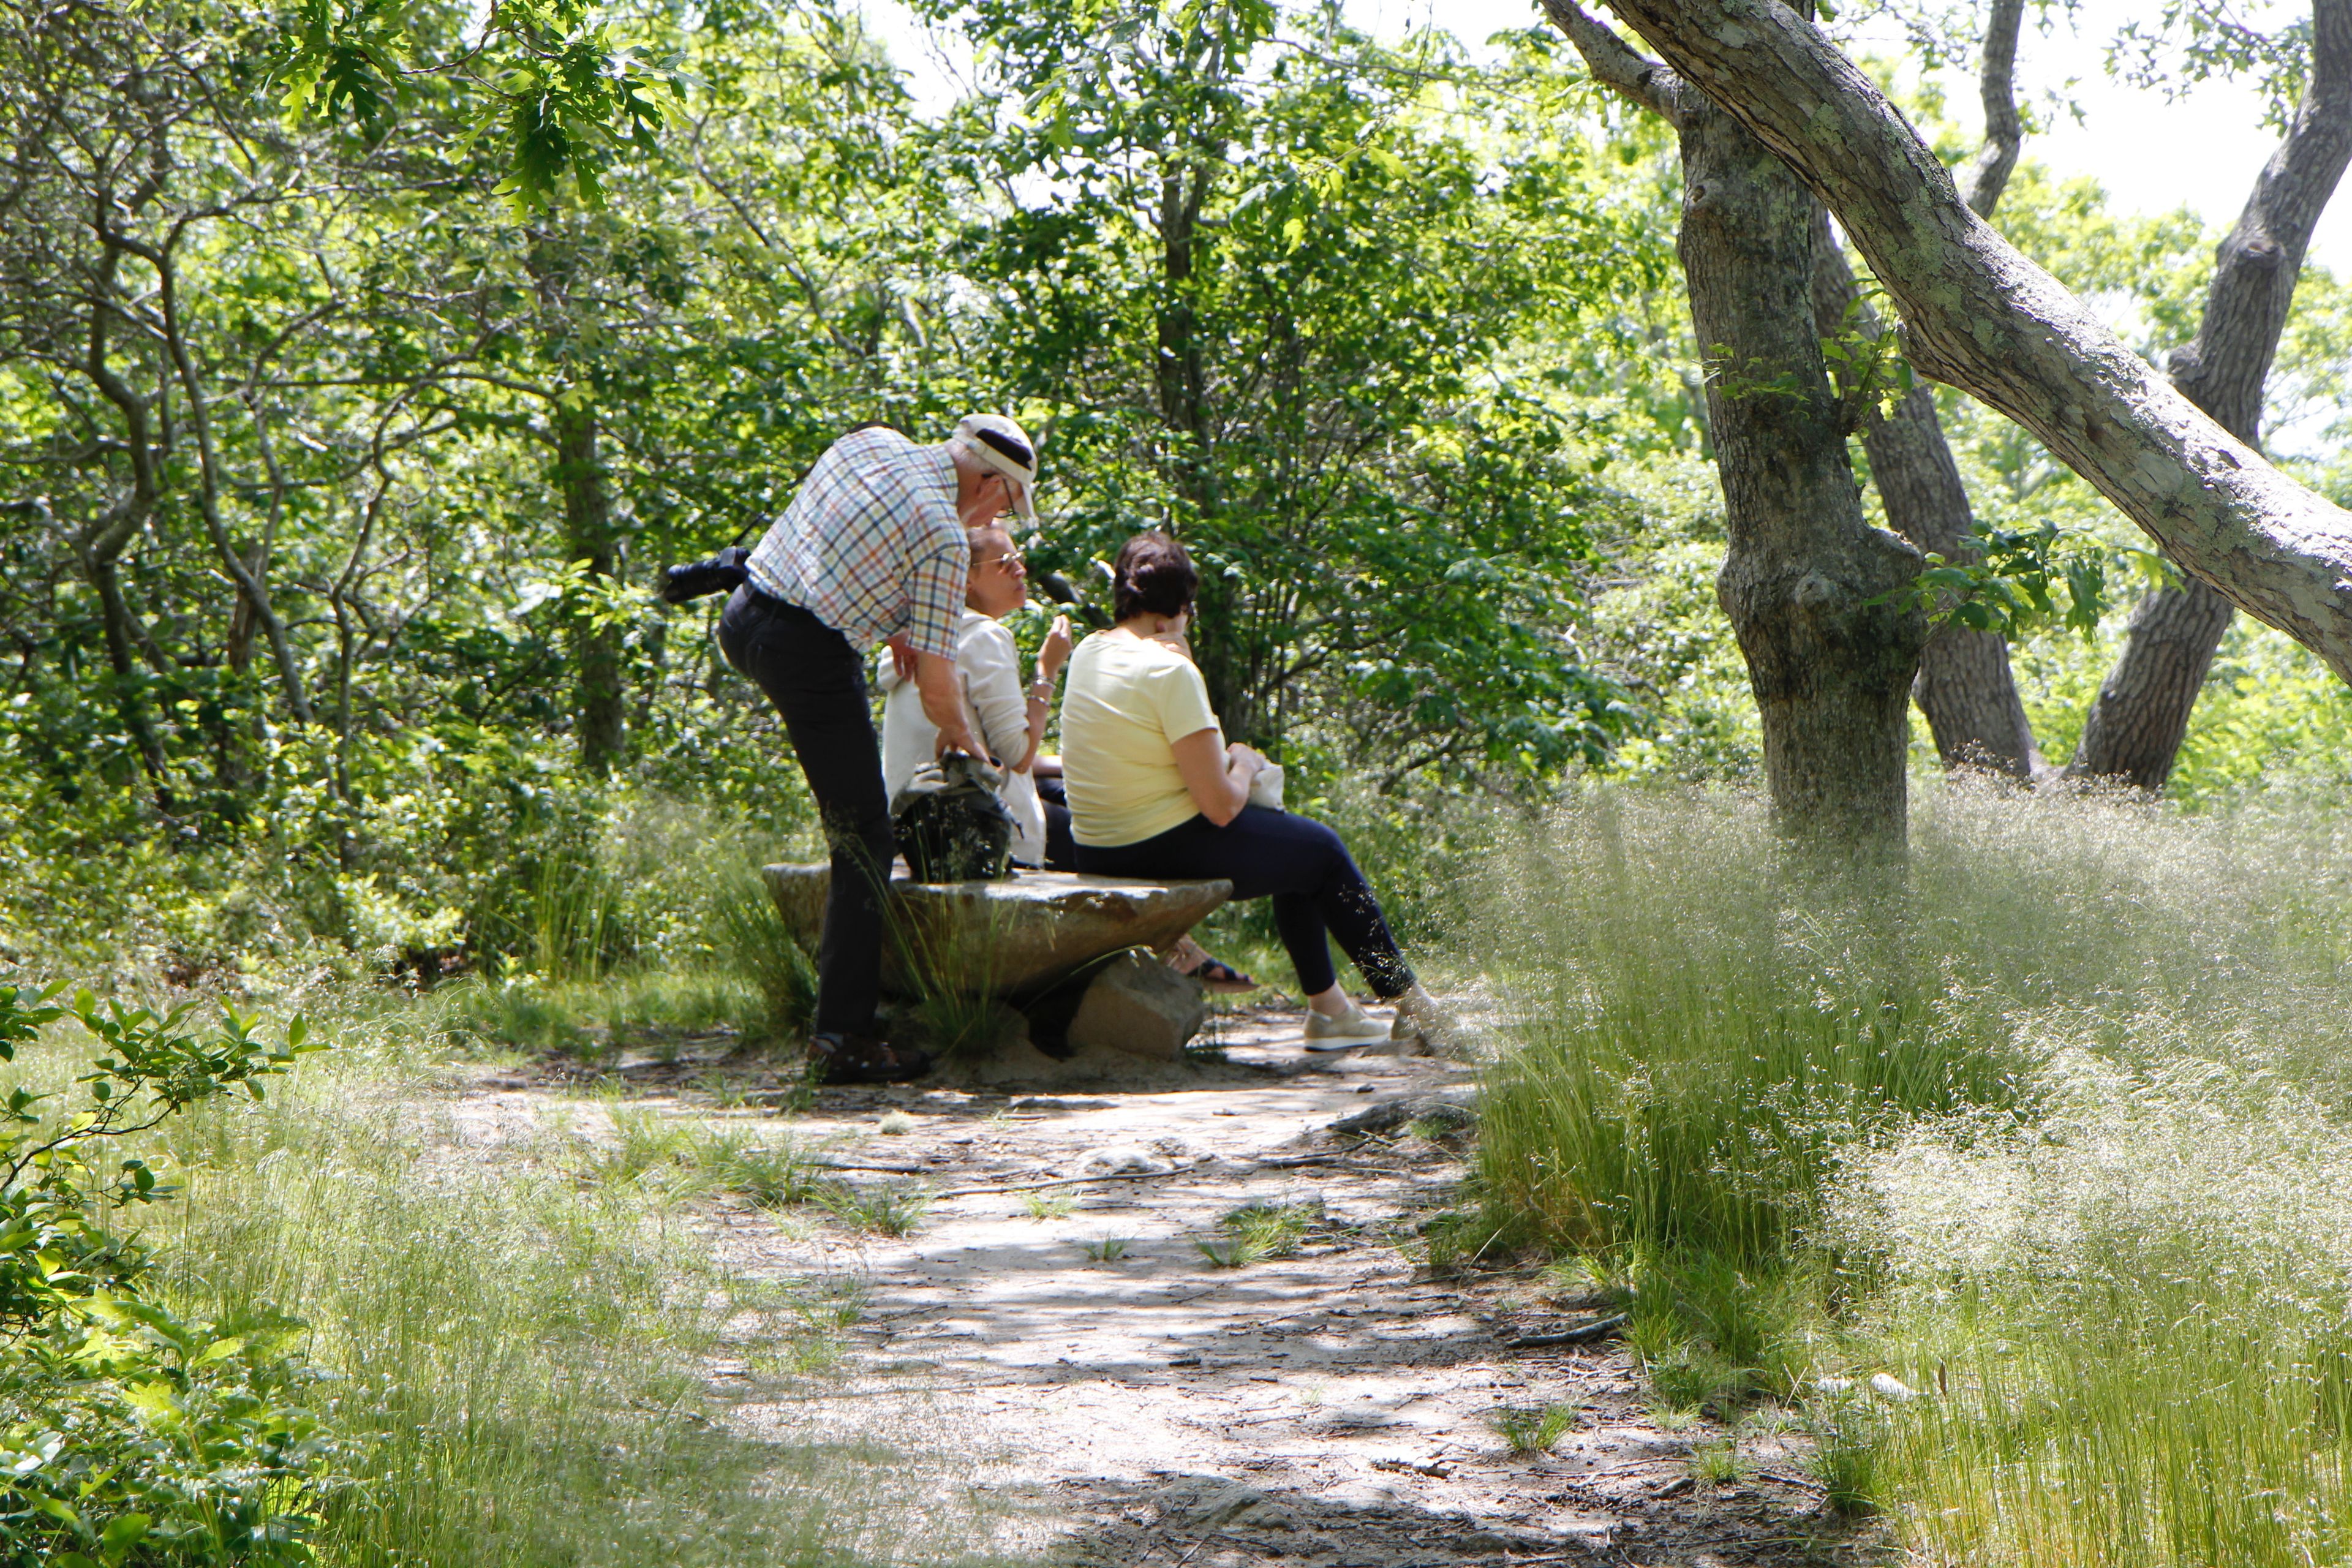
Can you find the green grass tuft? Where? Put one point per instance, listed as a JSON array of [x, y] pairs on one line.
[[1533, 1431], [1256, 1232]]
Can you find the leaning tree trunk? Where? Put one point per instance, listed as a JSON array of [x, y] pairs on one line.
[[2141, 713], [1815, 594], [1982, 316], [588, 536]]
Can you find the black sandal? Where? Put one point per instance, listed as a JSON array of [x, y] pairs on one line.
[[862, 1058], [1218, 975]]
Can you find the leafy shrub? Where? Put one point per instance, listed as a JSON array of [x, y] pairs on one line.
[[127, 1432]]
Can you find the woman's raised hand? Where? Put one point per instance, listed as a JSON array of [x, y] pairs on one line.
[[1056, 648]]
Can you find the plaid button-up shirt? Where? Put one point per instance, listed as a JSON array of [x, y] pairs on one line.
[[871, 545]]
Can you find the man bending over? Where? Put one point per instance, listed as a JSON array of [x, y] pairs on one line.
[[871, 548]]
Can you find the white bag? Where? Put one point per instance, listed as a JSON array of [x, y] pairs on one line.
[[1265, 790]]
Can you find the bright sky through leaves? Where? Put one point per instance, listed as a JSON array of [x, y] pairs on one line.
[[2151, 155]]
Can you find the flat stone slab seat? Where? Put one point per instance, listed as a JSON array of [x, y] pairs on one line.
[[1010, 938]]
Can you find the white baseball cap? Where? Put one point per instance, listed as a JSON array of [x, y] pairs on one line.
[[1003, 446]]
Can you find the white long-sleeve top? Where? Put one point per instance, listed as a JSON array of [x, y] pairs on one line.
[[996, 704]]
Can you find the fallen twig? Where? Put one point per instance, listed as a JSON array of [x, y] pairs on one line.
[[1583, 1334], [1066, 1181], [1623, 1464]]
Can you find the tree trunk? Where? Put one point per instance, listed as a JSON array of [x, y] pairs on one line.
[[588, 536], [2137, 721], [209, 479], [101, 545], [2133, 729], [1981, 317], [130, 698], [1832, 671], [1997, 89], [1965, 686], [1812, 590], [1220, 640]]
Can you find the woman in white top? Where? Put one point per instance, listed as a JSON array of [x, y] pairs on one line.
[[1008, 720], [1155, 790]]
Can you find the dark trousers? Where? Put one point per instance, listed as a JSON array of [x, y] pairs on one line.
[[1061, 849], [817, 683], [1299, 863]]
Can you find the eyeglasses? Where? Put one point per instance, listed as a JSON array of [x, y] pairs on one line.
[[1012, 561]]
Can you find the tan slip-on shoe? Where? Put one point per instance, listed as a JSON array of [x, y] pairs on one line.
[[1357, 1028]]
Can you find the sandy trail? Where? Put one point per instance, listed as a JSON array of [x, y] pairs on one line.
[[1112, 1396]]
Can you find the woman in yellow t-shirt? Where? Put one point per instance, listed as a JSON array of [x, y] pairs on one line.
[[1155, 790]]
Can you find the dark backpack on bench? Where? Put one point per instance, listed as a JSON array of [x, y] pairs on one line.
[[952, 826]]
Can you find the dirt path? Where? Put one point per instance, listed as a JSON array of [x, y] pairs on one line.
[[1122, 1398]]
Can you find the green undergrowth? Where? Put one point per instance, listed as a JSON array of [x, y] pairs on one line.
[[2011, 1177], [511, 1347], [742, 975]]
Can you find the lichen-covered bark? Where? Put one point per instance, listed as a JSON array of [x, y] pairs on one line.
[[2137, 723], [1980, 316], [1830, 667]]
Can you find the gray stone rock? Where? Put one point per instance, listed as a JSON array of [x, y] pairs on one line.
[[1138, 1005], [996, 938]]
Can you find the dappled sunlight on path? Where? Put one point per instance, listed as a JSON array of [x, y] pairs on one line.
[[1114, 1393]]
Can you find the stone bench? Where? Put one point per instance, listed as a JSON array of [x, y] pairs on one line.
[[1028, 940]]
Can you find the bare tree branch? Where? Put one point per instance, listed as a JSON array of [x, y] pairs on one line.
[[1615, 64], [2004, 131]]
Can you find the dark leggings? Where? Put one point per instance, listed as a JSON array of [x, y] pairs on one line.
[[1294, 861], [1061, 849]]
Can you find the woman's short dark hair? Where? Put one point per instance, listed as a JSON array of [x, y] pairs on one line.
[[1153, 576]]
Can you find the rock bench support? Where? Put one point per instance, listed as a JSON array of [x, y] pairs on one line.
[[1038, 939], [1001, 939]]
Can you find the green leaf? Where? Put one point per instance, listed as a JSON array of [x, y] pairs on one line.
[[125, 1530]]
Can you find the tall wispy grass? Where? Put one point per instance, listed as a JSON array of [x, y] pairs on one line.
[[2051, 1127], [1703, 1024], [2135, 1316]]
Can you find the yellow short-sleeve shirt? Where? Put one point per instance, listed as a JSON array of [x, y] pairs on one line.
[[1128, 701]]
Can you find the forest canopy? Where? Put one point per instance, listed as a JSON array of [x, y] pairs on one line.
[[358, 371]]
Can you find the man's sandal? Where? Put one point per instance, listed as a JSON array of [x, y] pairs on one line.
[[862, 1058]]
